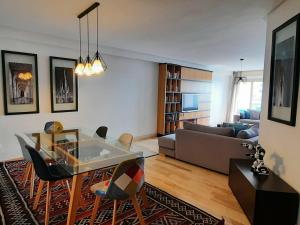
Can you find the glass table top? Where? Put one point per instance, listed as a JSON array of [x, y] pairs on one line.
[[78, 151]]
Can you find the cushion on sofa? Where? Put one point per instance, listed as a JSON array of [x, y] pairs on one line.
[[244, 114], [167, 141], [249, 133], [254, 115], [237, 127], [224, 131]]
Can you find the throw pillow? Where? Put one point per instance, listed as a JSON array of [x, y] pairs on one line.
[[249, 133], [254, 115], [224, 131], [237, 127], [242, 114]]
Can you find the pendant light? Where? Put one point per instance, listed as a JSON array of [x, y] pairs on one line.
[[88, 70], [80, 66], [99, 65]]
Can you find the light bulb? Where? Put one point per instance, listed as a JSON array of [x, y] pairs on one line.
[[88, 69], [97, 66], [79, 69]]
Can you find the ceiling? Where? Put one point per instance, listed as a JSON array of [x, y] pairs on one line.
[[215, 33]]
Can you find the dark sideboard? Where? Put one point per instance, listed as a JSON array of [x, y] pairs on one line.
[[266, 200]]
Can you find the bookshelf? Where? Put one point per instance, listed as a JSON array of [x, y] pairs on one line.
[[174, 80]]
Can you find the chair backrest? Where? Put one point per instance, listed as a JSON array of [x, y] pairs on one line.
[[102, 131], [127, 179], [39, 164], [53, 127], [23, 143], [126, 139]]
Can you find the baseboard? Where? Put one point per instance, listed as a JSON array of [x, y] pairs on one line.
[[144, 137]]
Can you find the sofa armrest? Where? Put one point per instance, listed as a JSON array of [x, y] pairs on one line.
[[209, 150]]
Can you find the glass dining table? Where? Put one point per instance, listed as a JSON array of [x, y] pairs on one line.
[[79, 152]]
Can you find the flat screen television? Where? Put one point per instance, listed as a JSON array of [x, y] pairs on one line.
[[190, 102]]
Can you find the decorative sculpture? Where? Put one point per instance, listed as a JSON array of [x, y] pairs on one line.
[[258, 165]]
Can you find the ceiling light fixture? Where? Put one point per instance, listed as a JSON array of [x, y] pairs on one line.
[[240, 78], [97, 65]]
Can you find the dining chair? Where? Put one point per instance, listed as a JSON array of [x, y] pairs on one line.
[[102, 131], [125, 183], [29, 170], [48, 174], [126, 139], [53, 127]]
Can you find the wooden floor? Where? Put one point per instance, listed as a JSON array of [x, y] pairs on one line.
[[200, 187]]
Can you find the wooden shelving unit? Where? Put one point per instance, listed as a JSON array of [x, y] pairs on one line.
[[169, 115]]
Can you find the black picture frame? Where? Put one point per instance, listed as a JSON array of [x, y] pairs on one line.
[[6, 71], [289, 94], [53, 61]]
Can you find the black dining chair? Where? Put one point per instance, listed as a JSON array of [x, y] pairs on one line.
[[47, 173], [29, 170], [102, 131]]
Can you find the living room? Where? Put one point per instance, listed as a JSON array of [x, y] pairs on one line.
[[180, 88]]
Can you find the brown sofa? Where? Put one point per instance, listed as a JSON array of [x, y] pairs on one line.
[[206, 149]]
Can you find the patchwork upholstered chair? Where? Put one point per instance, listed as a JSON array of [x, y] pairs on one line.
[[53, 127], [126, 182]]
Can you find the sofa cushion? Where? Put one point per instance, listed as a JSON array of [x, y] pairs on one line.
[[237, 127], [244, 114], [167, 141], [249, 133], [254, 115], [224, 131]]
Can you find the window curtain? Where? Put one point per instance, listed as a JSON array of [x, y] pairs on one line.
[[233, 96], [256, 75]]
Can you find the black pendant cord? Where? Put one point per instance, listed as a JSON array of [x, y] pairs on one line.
[[97, 29], [88, 36], [80, 39]]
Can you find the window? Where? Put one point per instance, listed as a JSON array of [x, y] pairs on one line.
[[249, 95]]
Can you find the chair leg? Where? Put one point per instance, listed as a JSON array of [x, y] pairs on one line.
[[138, 210], [144, 197], [38, 194], [68, 186], [48, 205], [114, 219], [27, 173], [95, 209], [32, 182]]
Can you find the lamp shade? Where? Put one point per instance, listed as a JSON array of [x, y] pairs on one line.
[[88, 69], [79, 69]]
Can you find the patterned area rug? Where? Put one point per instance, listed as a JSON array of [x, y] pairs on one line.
[[16, 207]]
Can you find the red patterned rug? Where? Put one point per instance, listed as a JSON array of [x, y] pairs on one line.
[[16, 207]]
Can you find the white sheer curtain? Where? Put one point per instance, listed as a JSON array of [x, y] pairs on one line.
[[245, 94], [233, 96]]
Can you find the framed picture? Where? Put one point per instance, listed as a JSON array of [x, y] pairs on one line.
[[284, 79], [20, 83], [64, 85]]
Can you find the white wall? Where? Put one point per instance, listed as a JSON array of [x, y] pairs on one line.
[[124, 99], [221, 85], [280, 141]]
